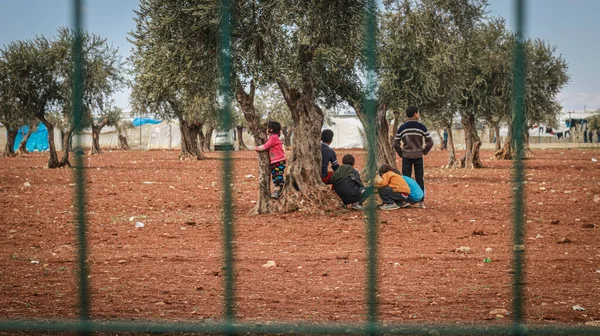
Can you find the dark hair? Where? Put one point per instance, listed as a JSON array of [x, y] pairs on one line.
[[348, 159], [275, 126], [411, 110], [386, 168], [327, 136]]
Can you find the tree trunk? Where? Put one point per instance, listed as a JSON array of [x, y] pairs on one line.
[[303, 189], [66, 140], [497, 136], [9, 147], [240, 132], [23, 144], [246, 102], [472, 143], [395, 126], [208, 138], [123, 142], [507, 152], [384, 151], [96, 129], [189, 144], [201, 140], [288, 132], [53, 157], [451, 148]]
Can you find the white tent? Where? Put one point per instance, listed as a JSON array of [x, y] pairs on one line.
[[165, 135], [348, 131]]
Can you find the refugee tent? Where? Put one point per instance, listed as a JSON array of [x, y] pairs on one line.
[[347, 130]]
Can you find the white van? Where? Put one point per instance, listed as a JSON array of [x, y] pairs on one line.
[[224, 140]]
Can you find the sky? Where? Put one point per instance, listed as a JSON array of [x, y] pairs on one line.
[[570, 25]]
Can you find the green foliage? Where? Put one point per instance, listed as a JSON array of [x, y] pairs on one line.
[[594, 121]]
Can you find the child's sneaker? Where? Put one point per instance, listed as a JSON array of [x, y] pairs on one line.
[[403, 204], [422, 205], [275, 194], [391, 206], [356, 206]]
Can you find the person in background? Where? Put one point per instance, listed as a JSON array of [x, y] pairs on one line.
[[445, 140]]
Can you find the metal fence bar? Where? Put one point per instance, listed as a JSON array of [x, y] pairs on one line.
[[517, 131], [299, 328], [225, 122], [77, 82], [369, 50]]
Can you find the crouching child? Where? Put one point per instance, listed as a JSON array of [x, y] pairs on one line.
[[347, 184]]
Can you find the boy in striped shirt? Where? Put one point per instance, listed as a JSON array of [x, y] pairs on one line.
[[412, 141]]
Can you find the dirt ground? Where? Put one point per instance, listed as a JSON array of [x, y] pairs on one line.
[[171, 268]]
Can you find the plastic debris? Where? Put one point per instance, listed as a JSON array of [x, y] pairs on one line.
[[578, 308], [27, 184], [269, 264], [139, 225], [249, 176], [594, 160]]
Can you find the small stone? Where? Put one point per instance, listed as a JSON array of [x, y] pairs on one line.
[[555, 222], [539, 236], [396, 264], [27, 184], [269, 264], [564, 240], [215, 273], [519, 248], [122, 261], [499, 311], [588, 226], [478, 233], [190, 223], [489, 249], [543, 188], [463, 249]]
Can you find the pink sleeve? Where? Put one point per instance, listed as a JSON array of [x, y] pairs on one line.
[[271, 142]]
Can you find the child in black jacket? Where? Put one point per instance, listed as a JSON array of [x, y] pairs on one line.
[[347, 184]]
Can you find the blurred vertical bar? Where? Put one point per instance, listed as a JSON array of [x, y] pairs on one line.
[[225, 123], [77, 80], [517, 131], [370, 102]]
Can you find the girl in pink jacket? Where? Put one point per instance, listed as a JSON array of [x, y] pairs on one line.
[[276, 154]]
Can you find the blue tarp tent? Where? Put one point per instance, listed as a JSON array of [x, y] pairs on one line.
[[142, 121], [38, 141]]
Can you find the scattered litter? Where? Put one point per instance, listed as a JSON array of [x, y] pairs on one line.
[[488, 249], [213, 184], [249, 176], [543, 188], [35, 261], [472, 220], [499, 311], [539, 236], [132, 218], [463, 249], [122, 261], [148, 182], [487, 260], [578, 308], [27, 184], [269, 264], [519, 248], [594, 160], [253, 202], [396, 264], [139, 225]]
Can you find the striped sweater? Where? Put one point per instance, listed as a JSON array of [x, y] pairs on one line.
[[412, 140]]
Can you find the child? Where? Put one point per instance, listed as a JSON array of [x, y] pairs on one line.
[[276, 155], [412, 134], [392, 188], [347, 184], [327, 155]]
